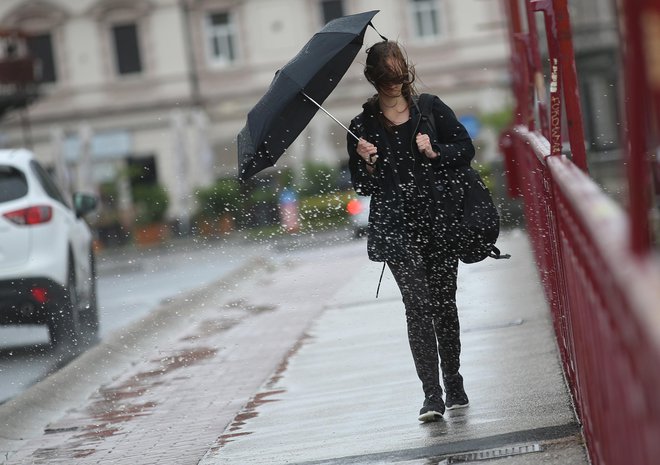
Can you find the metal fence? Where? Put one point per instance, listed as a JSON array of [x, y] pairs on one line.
[[597, 267]]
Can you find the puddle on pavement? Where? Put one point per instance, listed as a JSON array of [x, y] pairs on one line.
[[210, 327], [184, 359], [246, 305], [248, 412], [115, 405], [284, 364], [251, 408]]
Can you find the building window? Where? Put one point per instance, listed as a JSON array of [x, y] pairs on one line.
[[425, 16], [331, 9], [221, 34], [41, 48], [127, 50], [602, 128]]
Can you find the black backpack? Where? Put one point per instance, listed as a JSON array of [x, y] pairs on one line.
[[479, 227]]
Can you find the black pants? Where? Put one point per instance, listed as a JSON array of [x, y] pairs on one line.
[[427, 281]]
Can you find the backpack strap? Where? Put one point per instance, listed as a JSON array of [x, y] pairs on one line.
[[497, 255], [424, 103]]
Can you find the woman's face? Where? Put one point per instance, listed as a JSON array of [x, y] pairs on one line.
[[392, 84], [391, 90]]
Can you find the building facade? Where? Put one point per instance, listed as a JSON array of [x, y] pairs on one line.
[[161, 88], [597, 60]]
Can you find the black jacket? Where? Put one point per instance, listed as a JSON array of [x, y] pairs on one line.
[[443, 176]]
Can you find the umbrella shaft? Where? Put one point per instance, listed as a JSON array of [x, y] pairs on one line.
[[330, 115]]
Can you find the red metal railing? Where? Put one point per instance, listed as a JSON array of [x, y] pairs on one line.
[[596, 264]]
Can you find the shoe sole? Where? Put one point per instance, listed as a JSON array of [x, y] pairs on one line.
[[431, 415], [454, 407]]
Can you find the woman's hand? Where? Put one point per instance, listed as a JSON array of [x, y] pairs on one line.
[[424, 146], [367, 151]]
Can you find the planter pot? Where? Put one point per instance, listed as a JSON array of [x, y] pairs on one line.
[[225, 224], [217, 227], [151, 234]]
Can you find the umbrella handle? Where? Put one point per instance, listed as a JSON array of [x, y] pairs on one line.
[[335, 119], [329, 114]]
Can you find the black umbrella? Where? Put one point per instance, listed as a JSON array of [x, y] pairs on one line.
[[297, 91]]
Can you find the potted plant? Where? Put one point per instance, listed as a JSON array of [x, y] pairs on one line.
[[218, 205], [150, 202]]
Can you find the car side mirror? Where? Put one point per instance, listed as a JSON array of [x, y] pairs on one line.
[[83, 203]]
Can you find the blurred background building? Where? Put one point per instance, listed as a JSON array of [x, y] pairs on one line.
[[162, 87], [150, 94]]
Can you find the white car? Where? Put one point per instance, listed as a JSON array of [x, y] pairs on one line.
[[47, 273]]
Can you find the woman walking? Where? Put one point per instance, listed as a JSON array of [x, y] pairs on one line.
[[409, 170]]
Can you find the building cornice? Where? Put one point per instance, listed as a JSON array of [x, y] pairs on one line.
[[48, 15], [104, 10]]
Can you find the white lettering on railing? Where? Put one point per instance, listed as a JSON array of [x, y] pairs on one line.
[[555, 110]]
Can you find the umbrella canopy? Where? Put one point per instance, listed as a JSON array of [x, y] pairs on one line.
[[284, 111]]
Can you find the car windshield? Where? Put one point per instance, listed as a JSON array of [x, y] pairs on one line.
[[13, 184]]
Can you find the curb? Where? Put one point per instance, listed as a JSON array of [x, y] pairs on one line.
[[47, 400]]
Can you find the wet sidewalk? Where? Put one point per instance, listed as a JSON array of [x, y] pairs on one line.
[[297, 363], [350, 394]]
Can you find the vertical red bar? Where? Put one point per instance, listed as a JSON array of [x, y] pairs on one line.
[[512, 163], [570, 84], [536, 70], [650, 25], [554, 136], [651, 42], [513, 16], [635, 133]]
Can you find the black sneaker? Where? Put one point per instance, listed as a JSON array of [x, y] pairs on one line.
[[456, 396], [432, 410]]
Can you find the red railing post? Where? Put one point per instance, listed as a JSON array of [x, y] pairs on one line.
[[515, 28], [512, 165], [651, 41], [570, 83], [537, 72], [555, 138], [563, 78], [637, 92]]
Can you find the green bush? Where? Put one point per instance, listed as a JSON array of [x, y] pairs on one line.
[[151, 202], [326, 210], [218, 199], [285, 178], [486, 173], [498, 120], [263, 194], [318, 179]]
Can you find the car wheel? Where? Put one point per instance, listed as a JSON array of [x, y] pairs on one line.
[[89, 316], [64, 324]]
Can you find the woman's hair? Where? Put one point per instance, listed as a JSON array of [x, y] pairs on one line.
[[379, 71]]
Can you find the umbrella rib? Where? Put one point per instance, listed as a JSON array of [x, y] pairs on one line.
[[330, 115]]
